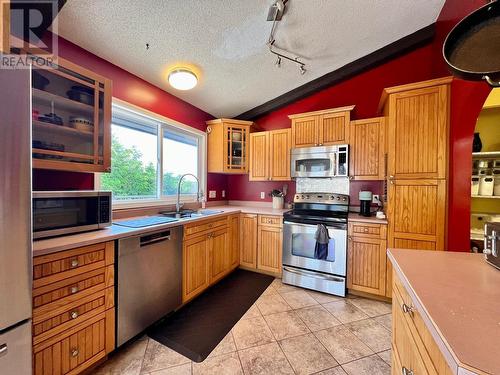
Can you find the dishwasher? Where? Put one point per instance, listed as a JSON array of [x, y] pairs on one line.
[[149, 280]]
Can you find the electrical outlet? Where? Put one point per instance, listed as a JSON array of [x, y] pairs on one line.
[[262, 195], [375, 198], [223, 194], [212, 194]]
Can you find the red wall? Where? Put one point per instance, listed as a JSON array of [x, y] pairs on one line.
[[364, 91], [134, 90]]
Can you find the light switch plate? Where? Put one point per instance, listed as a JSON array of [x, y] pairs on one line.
[[375, 198], [223, 194], [212, 194], [262, 195]]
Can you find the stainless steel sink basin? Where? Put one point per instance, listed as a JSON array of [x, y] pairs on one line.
[[186, 214]]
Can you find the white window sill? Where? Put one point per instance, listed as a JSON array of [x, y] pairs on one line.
[[123, 205]]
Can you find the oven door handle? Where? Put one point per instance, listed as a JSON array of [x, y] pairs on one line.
[[340, 226], [313, 274]]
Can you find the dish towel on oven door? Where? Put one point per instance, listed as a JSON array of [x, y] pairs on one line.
[[322, 239]]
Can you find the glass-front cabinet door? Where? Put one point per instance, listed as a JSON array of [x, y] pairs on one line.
[[71, 117], [236, 144]]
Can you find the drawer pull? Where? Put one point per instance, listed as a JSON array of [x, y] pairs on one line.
[[74, 314], [405, 371], [407, 309], [74, 352], [74, 289], [74, 263], [366, 229]]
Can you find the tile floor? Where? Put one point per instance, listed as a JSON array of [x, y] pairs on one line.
[[287, 331]]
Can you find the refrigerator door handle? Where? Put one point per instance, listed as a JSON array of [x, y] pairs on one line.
[[3, 349]]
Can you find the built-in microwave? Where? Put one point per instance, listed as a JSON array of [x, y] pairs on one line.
[[57, 213], [324, 161]]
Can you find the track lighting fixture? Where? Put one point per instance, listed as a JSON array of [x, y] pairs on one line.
[[302, 70], [278, 62]]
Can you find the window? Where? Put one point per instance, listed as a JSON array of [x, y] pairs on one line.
[[148, 157]]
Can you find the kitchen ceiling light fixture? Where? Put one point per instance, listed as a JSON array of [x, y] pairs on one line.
[[182, 79]]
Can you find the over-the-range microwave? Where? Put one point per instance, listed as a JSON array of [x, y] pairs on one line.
[[323, 161], [57, 213]]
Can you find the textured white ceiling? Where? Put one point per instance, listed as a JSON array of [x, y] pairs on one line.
[[226, 40]]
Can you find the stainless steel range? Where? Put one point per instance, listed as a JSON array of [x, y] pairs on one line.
[[300, 265]]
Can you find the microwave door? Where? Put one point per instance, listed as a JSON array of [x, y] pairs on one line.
[[314, 165]]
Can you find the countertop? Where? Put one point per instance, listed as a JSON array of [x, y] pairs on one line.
[[55, 244], [458, 296], [354, 216]]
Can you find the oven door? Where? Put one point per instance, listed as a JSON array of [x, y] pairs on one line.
[[317, 164], [299, 244]]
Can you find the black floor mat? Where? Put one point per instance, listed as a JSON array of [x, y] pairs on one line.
[[198, 327]]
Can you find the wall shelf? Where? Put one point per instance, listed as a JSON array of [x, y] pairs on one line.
[[61, 129], [486, 196], [485, 155]]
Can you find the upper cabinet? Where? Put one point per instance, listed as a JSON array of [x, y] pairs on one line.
[[418, 116], [71, 116], [270, 155], [321, 128], [367, 149], [228, 146]]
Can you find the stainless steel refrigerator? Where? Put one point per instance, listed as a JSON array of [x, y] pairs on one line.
[[15, 222]]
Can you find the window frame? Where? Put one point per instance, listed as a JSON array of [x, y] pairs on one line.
[[164, 123]]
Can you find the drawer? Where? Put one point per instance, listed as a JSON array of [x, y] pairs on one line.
[[368, 230], [80, 286], [271, 220], [50, 268], [424, 342], [50, 320], [204, 226], [77, 349]]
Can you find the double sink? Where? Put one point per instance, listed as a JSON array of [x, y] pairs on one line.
[[189, 214]]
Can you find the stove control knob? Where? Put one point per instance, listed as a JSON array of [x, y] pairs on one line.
[[332, 197], [302, 196], [344, 199], [307, 196], [338, 198]]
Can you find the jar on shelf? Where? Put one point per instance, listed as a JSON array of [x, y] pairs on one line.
[[474, 185], [486, 185]]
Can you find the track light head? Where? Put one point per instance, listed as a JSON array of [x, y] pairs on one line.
[[278, 62], [302, 70]]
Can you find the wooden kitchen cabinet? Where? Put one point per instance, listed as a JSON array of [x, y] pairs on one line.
[[79, 138], [228, 143], [195, 261], [210, 252], [321, 128], [269, 248], [270, 155], [248, 240], [413, 346], [366, 258], [261, 243], [73, 309], [367, 149], [417, 212], [418, 127]]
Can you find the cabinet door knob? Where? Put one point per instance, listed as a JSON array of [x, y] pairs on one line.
[[74, 263], [405, 371], [74, 289], [74, 352], [74, 314], [349, 238], [407, 309]]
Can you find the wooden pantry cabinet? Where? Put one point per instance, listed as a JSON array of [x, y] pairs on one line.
[[270, 155], [367, 149], [261, 243], [366, 258], [321, 128], [73, 309], [228, 144], [210, 252]]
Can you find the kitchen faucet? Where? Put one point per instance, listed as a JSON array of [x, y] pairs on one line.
[[198, 193]]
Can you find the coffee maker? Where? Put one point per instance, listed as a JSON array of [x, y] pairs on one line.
[[365, 200]]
